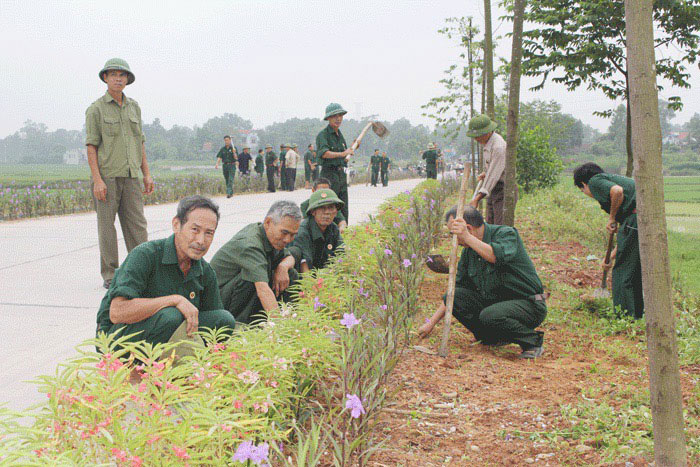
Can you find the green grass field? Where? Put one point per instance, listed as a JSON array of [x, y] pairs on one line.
[[682, 189]]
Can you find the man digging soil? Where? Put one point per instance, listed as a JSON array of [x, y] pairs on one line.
[[498, 295]]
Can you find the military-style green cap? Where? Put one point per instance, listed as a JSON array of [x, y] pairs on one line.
[[334, 109], [118, 64], [294, 146], [480, 125], [286, 145], [321, 198], [246, 147], [268, 146]]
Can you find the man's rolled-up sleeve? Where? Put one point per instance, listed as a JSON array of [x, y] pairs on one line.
[[505, 246], [322, 145], [93, 133], [495, 170], [132, 280], [253, 264]]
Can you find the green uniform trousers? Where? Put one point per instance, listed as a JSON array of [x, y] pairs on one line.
[[271, 179], [627, 272], [315, 173], [159, 327], [431, 172], [253, 310], [512, 321], [125, 198], [307, 172], [385, 177], [375, 176], [339, 184], [229, 175]]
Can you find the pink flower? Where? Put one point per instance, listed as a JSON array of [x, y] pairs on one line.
[[237, 404], [181, 452], [406, 263], [119, 454], [355, 405], [136, 461], [349, 320], [249, 377]]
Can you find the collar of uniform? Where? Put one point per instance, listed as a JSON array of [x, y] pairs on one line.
[[108, 98], [330, 131], [489, 144], [170, 257], [267, 246], [316, 230]]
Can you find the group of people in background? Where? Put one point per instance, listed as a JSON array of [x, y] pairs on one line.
[[380, 164]]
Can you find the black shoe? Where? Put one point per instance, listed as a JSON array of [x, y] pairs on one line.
[[532, 352], [107, 283], [228, 196]]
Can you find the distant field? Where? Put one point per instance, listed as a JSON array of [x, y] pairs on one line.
[[682, 189], [683, 222]]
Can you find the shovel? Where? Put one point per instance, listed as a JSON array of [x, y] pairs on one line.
[[379, 130], [602, 291]]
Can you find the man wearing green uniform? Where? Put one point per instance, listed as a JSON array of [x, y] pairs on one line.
[[318, 238], [430, 156], [617, 196], [323, 184], [498, 295], [116, 152], [332, 152], [255, 268], [309, 166], [375, 162], [283, 166], [164, 283], [385, 165], [260, 163], [228, 157], [271, 168]]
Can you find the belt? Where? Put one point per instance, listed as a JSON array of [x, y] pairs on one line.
[[540, 297], [332, 167]]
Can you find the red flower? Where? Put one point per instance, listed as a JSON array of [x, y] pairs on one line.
[[181, 452]]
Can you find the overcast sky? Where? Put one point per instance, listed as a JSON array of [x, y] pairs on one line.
[[264, 60]]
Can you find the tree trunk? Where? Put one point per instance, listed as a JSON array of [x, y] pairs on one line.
[[664, 378], [516, 56], [628, 135], [471, 96], [488, 62]]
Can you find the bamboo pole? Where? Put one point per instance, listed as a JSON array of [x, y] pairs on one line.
[[453, 265]]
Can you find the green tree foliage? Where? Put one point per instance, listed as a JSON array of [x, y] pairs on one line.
[[585, 42], [693, 128], [539, 164], [35, 144]]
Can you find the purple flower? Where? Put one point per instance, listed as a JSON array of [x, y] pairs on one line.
[[407, 192], [402, 237], [248, 451], [260, 453], [371, 251], [349, 320], [414, 256], [384, 307], [387, 252], [429, 259], [355, 405], [397, 225], [317, 303], [406, 263], [363, 292]]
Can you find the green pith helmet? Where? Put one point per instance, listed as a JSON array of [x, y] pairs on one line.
[[287, 145], [334, 109], [118, 64], [246, 147], [321, 198], [480, 125], [294, 146], [268, 146]]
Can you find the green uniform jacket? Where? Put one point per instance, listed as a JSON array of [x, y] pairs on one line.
[[245, 259], [313, 246], [270, 160], [375, 161], [151, 270], [385, 161], [283, 156], [259, 164], [430, 157], [338, 217], [600, 185], [308, 157], [512, 277], [328, 140], [116, 132], [226, 155]]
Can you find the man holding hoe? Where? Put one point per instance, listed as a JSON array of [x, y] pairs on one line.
[[332, 152]]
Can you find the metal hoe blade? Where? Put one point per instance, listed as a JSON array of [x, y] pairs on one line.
[[379, 129]]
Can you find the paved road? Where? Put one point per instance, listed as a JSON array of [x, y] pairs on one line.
[[50, 286]]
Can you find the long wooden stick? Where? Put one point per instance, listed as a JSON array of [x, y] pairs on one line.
[[453, 266]]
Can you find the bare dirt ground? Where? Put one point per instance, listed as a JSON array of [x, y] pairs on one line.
[[485, 407]]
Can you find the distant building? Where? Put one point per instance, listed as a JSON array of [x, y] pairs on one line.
[[75, 156]]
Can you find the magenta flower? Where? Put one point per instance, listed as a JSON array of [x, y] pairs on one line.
[[406, 263], [397, 225], [371, 251], [387, 252], [349, 320], [355, 405], [402, 237]]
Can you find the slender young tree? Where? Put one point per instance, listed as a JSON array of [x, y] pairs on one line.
[[664, 377], [470, 40], [488, 62], [516, 56]]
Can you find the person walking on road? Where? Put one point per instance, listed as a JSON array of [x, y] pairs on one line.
[[260, 163], [384, 168], [431, 160], [617, 196], [309, 166], [271, 163], [481, 128], [166, 284], [228, 158], [332, 153], [283, 166], [498, 295], [116, 152], [255, 269], [292, 159], [375, 163]]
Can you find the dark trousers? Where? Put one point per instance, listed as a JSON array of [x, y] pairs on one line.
[[512, 321], [384, 175], [229, 175], [316, 172], [495, 203], [431, 172], [253, 310], [627, 272], [291, 178], [339, 184], [374, 177], [271, 179]]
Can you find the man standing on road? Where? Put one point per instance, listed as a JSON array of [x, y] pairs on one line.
[[271, 168], [254, 268], [244, 161], [431, 156], [260, 163], [498, 295], [385, 165], [309, 166], [617, 196], [292, 159], [332, 151], [481, 128], [375, 162], [228, 157], [283, 166], [318, 237], [164, 283], [116, 152]]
